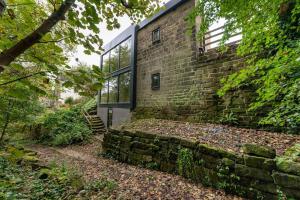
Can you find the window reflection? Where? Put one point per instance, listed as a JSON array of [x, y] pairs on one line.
[[125, 53], [104, 93], [113, 90], [105, 63], [117, 89], [124, 88], [114, 59]]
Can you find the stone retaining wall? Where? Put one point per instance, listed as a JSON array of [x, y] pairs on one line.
[[257, 174]]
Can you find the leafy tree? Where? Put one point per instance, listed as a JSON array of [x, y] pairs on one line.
[[18, 111], [75, 16], [271, 42]]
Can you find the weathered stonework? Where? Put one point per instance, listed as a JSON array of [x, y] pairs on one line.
[[189, 81], [254, 175]]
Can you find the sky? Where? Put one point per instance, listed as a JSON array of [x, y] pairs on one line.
[[106, 36]]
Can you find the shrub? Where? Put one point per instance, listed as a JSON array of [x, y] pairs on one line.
[[69, 101], [66, 126]]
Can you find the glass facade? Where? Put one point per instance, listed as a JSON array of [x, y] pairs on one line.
[[113, 90], [124, 88], [116, 65], [104, 93], [125, 53]]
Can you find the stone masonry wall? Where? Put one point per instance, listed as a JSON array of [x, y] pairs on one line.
[[189, 81], [257, 174]]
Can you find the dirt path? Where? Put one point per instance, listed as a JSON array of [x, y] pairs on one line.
[[133, 182]]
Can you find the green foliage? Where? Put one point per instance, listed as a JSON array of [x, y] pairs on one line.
[[65, 126], [49, 56], [90, 104], [271, 42], [185, 163], [229, 118], [20, 182], [16, 113], [69, 101]]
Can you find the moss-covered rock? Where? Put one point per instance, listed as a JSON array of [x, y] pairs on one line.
[[293, 152], [216, 152], [291, 193], [285, 164], [286, 180], [44, 173], [259, 174], [259, 162], [260, 151]]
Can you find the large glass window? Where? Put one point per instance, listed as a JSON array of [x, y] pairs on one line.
[[113, 90], [104, 93], [105, 63], [124, 88], [114, 59], [125, 53], [117, 88]]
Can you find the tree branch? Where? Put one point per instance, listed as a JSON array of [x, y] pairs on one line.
[[9, 55], [23, 77], [50, 41]]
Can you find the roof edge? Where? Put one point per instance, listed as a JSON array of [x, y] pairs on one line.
[[168, 7]]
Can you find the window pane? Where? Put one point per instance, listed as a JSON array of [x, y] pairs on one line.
[[105, 63], [125, 53], [104, 93], [114, 59], [124, 86], [113, 90]]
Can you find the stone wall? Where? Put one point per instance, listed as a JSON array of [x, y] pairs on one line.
[[256, 174], [189, 81]]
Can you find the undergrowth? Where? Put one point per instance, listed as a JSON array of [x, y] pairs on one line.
[[64, 127]]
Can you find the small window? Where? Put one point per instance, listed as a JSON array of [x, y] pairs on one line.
[[156, 36], [155, 84]]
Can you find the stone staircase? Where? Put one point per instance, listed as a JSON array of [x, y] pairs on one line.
[[94, 121]]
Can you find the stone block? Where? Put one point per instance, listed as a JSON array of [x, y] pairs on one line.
[[286, 180], [216, 152], [288, 166], [243, 170], [291, 193], [264, 186], [259, 162], [260, 151]]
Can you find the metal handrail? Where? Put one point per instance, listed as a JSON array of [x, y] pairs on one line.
[[87, 117]]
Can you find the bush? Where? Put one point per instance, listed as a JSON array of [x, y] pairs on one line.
[[69, 101], [66, 126]]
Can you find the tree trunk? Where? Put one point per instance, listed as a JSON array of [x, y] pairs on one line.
[[9, 55], [9, 106], [5, 127]]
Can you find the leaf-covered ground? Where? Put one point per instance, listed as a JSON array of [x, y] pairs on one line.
[[226, 137], [132, 182]]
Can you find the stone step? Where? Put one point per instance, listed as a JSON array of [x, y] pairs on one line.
[[97, 127]]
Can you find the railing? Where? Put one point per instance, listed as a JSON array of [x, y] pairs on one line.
[[213, 37], [87, 116]]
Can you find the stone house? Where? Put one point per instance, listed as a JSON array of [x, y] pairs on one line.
[[157, 69]]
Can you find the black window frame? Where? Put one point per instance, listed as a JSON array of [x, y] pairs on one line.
[[155, 85], [129, 37], [154, 39]]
